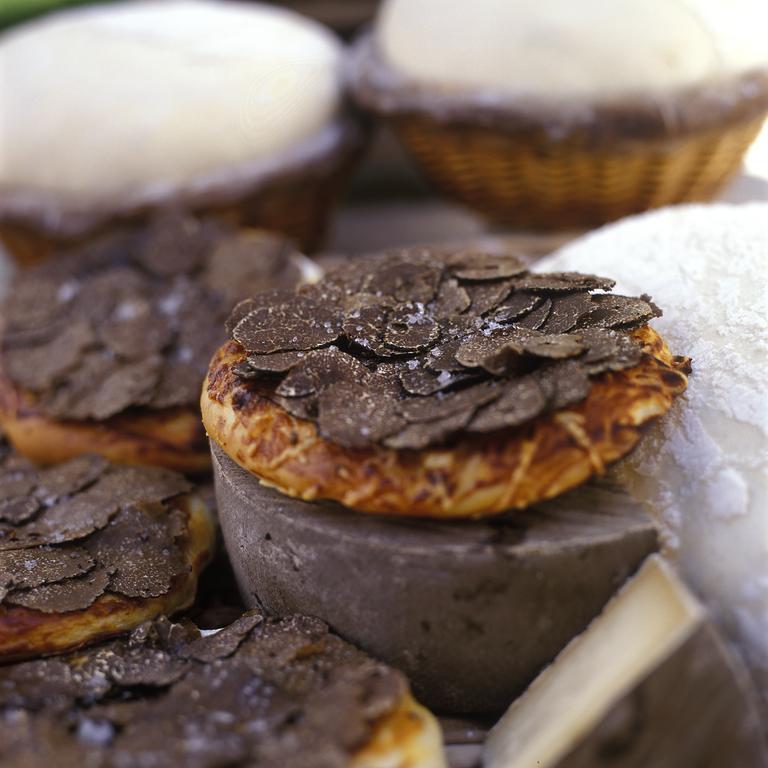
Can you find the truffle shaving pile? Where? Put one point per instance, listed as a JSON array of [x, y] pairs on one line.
[[72, 532], [133, 319], [405, 349], [258, 692]]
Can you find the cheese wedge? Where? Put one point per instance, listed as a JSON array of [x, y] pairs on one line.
[[649, 683]]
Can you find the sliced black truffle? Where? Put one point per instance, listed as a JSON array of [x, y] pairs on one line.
[[494, 350], [408, 348], [364, 327], [521, 401], [142, 666], [452, 299], [614, 311], [435, 408], [132, 319], [175, 244], [537, 317], [556, 282], [66, 520], [418, 435], [353, 415], [250, 262], [410, 329], [300, 407], [567, 312], [563, 383], [296, 323], [178, 384], [136, 330], [259, 692], [609, 350], [132, 384], [485, 296], [224, 642], [34, 304], [88, 528], [519, 304], [18, 510], [418, 380], [409, 275], [23, 569], [277, 362], [319, 369], [126, 485], [138, 549], [69, 477], [554, 345], [73, 594], [40, 367], [18, 478], [474, 265]]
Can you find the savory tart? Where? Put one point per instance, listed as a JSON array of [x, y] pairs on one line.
[[104, 349], [89, 549], [257, 692], [120, 93], [438, 384]]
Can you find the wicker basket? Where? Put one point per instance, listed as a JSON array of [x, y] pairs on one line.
[[515, 180], [298, 207], [555, 164], [295, 195]]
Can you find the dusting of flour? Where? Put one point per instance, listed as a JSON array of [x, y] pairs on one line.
[[703, 470]]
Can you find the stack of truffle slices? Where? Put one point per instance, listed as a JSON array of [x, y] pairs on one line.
[[104, 350], [463, 402], [104, 347]]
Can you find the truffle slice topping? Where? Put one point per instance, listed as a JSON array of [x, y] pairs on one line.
[[73, 532], [472, 343], [133, 319]]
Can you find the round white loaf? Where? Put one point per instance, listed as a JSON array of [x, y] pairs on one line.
[[703, 470], [583, 48], [114, 98]]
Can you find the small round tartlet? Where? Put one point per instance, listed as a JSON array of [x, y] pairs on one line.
[[553, 115], [258, 691], [438, 384], [104, 349], [89, 550], [424, 388], [233, 110]]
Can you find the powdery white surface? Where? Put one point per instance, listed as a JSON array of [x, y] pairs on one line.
[[583, 48], [703, 469], [106, 99]]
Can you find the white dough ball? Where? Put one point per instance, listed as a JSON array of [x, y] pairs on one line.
[[703, 469], [578, 48], [111, 98]]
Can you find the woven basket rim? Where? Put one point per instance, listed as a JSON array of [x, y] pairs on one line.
[[379, 88], [317, 157]]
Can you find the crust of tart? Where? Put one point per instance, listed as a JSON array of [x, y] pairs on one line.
[[408, 737], [27, 633], [168, 437], [478, 476]]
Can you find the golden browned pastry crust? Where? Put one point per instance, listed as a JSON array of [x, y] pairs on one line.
[[476, 477], [409, 737], [169, 437], [26, 633]]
